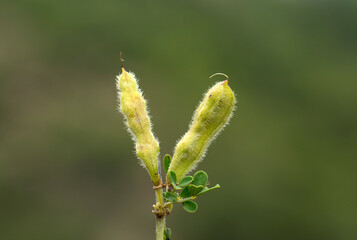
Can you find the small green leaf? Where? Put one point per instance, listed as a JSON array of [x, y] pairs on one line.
[[185, 181], [200, 178], [185, 193], [173, 177], [195, 190], [167, 161], [190, 206], [167, 233], [170, 196], [206, 189]]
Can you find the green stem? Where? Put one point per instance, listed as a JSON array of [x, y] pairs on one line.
[[160, 228], [180, 201], [160, 221]]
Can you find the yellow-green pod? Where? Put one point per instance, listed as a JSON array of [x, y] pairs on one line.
[[133, 107], [209, 119]]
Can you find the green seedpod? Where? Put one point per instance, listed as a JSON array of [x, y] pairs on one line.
[[133, 106], [212, 114]]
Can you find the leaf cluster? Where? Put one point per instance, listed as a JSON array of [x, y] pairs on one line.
[[187, 189]]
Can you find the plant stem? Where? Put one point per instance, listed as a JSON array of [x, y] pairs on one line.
[[180, 200], [160, 221], [160, 228]]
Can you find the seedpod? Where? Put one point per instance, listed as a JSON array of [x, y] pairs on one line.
[[133, 106], [212, 114]]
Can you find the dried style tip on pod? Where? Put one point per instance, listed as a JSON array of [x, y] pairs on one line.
[[209, 119], [133, 107]]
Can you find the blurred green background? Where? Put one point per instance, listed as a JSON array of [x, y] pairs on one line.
[[286, 163]]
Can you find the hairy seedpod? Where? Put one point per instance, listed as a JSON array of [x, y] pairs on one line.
[[133, 107], [212, 114]]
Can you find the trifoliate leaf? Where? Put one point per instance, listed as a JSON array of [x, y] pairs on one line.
[[200, 178], [190, 206], [185, 181], [195, 190], [185, 193]]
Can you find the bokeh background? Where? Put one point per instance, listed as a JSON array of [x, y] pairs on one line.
[[286, 163]]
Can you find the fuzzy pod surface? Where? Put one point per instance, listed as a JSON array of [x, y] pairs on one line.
[[212, 114], [133, 106]]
